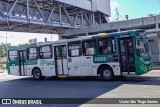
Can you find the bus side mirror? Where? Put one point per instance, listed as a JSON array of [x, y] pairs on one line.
[[138, 52]]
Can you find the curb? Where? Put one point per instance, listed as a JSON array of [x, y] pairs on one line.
[[156, 69]]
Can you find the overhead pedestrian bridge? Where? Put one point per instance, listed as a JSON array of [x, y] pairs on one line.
[[51, 16]]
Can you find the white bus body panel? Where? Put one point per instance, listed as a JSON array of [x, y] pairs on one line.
[[84, 66], [47, 67], [14, 70], [30, 68], [80, 66]]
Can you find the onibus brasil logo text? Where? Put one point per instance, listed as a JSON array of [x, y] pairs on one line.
[[19, 101]]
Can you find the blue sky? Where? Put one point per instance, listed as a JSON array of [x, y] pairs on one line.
[[135, 8]]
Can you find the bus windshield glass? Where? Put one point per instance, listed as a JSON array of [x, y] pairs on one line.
[[142, 48]]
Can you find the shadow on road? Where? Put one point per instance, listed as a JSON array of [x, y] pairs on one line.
[[79, 87]]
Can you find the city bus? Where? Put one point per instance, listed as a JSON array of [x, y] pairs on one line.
[[102, 55]]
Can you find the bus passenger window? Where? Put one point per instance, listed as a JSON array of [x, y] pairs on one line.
[[107, 46], [74, 49], [102, 46], [13, 55], [32, 53], [89, 48], [46, 52], [111, 46]]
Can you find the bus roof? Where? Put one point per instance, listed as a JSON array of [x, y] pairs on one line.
[[129, 32], [123, 33]]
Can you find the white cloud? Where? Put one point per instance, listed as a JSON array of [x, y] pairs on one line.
[[114, 5]]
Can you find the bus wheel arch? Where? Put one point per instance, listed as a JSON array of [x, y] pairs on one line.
[[106, 72], [37, 73]]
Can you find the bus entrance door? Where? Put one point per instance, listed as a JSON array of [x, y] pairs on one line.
[[126, 52], [22, 60], [61, 63]]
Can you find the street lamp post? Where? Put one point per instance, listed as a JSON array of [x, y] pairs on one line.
[[6, 37]]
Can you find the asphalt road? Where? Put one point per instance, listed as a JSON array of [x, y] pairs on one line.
[[146, 86]]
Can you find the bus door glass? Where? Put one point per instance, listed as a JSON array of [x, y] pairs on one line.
[[127, 58], [61, 63], [22, 60], [13, 63]]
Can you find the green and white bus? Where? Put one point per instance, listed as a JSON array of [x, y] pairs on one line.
[[104, 55]]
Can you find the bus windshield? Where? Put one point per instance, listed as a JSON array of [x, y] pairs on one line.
[[142, 48]]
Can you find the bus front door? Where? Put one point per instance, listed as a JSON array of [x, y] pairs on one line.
[[126, 55], [22, 66], [61, 63]]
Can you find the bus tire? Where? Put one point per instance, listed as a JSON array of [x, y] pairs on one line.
[[106, 73], [37, 75]]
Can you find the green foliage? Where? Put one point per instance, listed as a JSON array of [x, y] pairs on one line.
[[2, 50], [2, 66]]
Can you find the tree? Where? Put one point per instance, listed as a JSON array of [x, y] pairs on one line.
[[2, 50]]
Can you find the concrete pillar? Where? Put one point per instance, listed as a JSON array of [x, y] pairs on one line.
[[87, 34], [157, 26], [158, 41], [119, 30], [59, 37]]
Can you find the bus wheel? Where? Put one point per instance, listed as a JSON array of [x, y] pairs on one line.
[[37, 74], [106, 73]]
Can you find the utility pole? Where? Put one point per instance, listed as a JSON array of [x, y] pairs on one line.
[[6, 37]]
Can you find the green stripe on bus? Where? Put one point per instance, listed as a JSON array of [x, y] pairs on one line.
[[95, 37], [31, 62]]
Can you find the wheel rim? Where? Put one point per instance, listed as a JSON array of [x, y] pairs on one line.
[[37, 74], [106, 73]]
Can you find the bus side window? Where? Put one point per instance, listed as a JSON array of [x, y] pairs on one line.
[[102, 46], [46, 52], [74, 49], [107, 46], [13, 56], [89, 48], [32, 53], [111, 45]]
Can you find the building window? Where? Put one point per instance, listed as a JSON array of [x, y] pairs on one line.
[[89, 48], [107, 46], [46, 52], [13, 55], [32, 53], [75, 49]]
